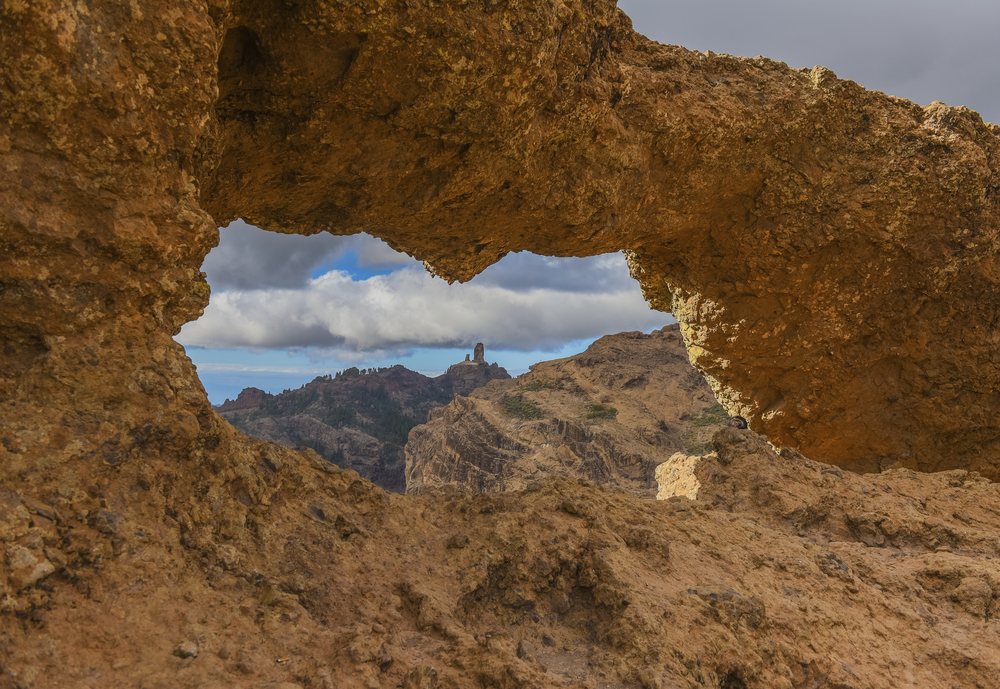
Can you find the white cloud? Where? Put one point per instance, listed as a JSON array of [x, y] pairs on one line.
[[409, 308]]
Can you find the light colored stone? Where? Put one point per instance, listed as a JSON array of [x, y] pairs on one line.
[[677, 476], [27, 567]]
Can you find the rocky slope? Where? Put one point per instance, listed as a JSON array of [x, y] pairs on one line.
[[251, 565], [358, 419], [609, 415]]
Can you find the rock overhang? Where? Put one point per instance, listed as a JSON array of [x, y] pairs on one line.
[[830, 252]]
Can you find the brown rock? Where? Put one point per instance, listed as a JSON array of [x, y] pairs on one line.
[[781, 294], [249, 398], [309, 122], [852, 240]]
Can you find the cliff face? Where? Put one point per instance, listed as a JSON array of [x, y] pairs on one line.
[[360, 419], [610, 415], [357, 420]]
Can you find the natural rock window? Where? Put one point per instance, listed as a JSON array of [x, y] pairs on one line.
[[829, 252], [295, 307]]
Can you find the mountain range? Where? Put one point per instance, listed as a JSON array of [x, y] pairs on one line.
[[608, 415]]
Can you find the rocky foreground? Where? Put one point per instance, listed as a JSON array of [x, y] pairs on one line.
[[260, 565]]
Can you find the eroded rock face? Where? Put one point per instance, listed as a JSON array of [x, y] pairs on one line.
[[830, 252], [608, 415]]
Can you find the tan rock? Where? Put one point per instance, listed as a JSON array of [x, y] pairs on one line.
[[27, 567], [829, 251], [678, 476]]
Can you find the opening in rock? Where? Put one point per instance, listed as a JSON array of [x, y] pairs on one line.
[[342, 345]]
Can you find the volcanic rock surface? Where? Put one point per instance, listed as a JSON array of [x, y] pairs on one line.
[[609, 415], [802, 229], [212, 570], [830, 253]]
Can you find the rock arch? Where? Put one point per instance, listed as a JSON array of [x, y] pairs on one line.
[[829, 251]]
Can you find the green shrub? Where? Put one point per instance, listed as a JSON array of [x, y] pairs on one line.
[[715, 415], [518, 407], [599, 411], [694, 448]]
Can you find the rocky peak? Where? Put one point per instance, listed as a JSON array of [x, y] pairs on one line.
[[466, 376], [249, 398]]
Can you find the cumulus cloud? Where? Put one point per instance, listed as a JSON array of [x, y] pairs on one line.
[[354, 298], [922, 51], [409, 308]]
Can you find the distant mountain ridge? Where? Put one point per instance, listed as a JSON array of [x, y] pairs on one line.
[[249, 398], [358, 418], [609, 415]]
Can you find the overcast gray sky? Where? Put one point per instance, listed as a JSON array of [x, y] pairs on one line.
[[285, 308], [923, 50]]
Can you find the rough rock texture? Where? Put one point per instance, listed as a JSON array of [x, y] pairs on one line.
[[678, 476], [610, 415], [249, 398], [358, 419], [802, 229], [830, 253], [784, 573]]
